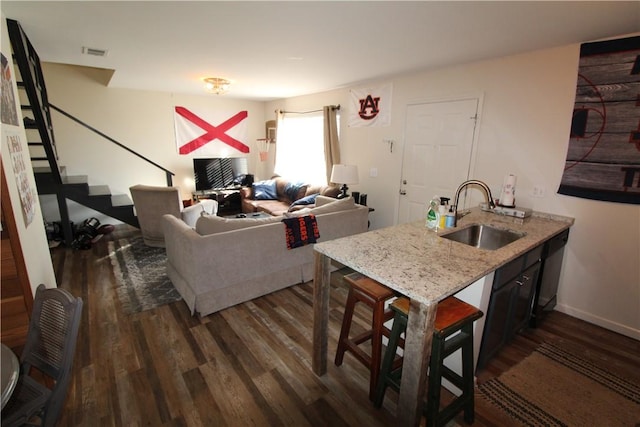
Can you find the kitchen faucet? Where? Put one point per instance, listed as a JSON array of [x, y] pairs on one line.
[[487, 195]]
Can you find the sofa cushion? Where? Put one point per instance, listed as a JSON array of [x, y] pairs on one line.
[[300, 212], [211, 224], [336, 205], [324, 190], [272, 207], [265, 190]]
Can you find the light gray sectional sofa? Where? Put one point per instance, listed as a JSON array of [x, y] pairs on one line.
[[223, 262]]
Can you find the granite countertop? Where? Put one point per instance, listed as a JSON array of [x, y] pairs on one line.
[[420, 264]]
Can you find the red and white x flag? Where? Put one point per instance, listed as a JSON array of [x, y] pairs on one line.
[[210, 133]]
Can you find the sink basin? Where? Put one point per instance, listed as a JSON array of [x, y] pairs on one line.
[[483, 236]]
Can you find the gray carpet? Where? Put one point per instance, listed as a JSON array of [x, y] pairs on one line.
[[140, 272]]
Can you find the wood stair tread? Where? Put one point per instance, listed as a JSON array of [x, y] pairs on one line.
[[121, 200], [99, 190], [75, 179]]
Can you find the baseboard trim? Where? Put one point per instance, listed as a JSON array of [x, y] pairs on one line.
[[596, 320]]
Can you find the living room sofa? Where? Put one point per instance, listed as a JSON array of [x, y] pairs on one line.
[[279, 195], [226, 261]]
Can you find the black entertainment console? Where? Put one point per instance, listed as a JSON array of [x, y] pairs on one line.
[[228, 199]]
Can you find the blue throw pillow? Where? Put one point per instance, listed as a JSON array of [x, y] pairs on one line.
[[291, 189], [307, 200], [264, 190]]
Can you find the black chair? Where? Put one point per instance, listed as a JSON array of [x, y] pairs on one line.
[[48, 354]]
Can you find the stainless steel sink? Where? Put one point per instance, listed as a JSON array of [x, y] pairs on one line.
[[483, 236]]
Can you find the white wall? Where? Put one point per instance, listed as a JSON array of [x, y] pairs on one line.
[[523, 129], [33, 238], [141, 120]]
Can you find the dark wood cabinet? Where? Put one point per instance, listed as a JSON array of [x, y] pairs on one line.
[[496, 323], [509, 309]]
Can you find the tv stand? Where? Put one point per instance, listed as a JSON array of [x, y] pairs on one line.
[[228, 199]]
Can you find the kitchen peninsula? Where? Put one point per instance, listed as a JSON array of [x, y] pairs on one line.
[[427, 268]]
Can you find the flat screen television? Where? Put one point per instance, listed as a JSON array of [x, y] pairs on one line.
[[217, 173]]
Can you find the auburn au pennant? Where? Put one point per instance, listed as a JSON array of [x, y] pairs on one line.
[[370, 106], [212, 133]]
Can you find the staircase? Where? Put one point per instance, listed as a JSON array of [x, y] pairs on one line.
[[50, 177]]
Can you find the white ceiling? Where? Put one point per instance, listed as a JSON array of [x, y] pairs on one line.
[[273, 50]]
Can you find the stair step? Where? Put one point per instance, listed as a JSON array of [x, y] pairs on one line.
[[99, 190], [42, 169], [76, 179], [47, 169], [121, 200]]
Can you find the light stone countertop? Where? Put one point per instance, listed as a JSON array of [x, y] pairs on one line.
[[418, 263]]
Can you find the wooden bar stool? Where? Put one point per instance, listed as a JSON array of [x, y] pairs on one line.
[[373, 294], [452, 316]]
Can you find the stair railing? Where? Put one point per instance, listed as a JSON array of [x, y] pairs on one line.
[[167, 172]]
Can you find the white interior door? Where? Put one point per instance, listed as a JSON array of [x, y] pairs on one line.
[[437, 153]]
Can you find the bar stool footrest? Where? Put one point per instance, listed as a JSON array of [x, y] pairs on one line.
[[449, 412], [454, 343], [454, 378]]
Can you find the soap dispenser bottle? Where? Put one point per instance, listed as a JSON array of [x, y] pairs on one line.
[[450, 218], [442, 211], [433, 216]]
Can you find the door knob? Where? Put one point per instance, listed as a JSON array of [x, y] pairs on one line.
[[403, 192]]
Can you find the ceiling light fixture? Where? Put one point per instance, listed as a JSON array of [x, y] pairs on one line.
[[216, 85]]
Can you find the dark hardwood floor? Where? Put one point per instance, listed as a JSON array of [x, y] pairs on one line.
[[247, 365]]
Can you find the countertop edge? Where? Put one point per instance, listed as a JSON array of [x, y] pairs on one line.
[[402, 256]]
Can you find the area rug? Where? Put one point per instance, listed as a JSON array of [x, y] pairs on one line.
[[140, 271], [561, 385]]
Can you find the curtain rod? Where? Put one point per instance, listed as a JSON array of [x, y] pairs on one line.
[[333, 107]]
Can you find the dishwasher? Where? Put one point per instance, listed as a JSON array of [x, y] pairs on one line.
[[545, 297]]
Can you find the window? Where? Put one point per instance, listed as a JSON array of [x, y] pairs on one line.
[[300, 148]]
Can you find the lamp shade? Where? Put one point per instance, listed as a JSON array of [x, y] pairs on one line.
[[344, 174]]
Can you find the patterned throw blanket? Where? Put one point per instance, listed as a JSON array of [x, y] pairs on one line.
[[300, 231]]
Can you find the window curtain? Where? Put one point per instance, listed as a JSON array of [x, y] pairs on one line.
[[331, 140]]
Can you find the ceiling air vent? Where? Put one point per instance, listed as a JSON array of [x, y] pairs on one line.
[[93, 51]]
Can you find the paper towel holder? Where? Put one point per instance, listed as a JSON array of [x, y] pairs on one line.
[[508, 194]]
